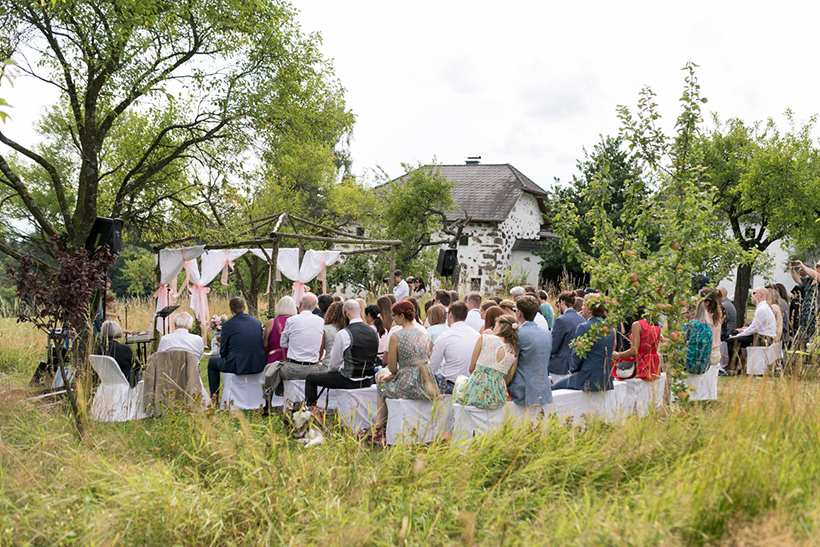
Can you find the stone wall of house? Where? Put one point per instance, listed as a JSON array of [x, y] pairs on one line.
[[488, 252]]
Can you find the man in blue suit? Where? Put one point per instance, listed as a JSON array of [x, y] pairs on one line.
[[531, 382], [563, 333], [241, 350], [593, 372]]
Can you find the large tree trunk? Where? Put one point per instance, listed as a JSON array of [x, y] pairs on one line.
[[744, 277]]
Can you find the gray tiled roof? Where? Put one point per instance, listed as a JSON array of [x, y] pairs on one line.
[[487, 193]]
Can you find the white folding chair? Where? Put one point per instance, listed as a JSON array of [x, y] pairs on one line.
[[115, 400]]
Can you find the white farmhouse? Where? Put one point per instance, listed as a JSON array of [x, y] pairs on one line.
[[506, 223]]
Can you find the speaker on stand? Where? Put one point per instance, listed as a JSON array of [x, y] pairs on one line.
[[447, 261]]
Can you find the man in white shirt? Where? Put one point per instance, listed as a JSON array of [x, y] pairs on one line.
[[181, 339], [760, 332], [474, 318], [401, 290], [303, 335], [453, 349]]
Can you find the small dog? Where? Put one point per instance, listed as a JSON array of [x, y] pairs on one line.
[[306, 426]]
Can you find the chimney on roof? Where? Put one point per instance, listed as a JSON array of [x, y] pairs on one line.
[[473, 160]]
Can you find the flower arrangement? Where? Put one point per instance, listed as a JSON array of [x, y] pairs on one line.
[[215, 323]]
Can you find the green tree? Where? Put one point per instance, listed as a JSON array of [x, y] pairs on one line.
[[137, 271], [621, 170], [767, 186], [680, 209], [150, 92]]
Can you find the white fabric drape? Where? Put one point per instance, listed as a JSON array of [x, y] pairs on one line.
[[266, 256], [170, 264], [199, 293], [214, 262]]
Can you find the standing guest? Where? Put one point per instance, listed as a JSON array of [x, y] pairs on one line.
[[644, 340], [714, 319], [110, 334], [546, 308], [419, 289], [323, 302], [490, 317], [334, 323], [530, 384], [474, 318], [563, 334], [806, 278], [794, 310], [443, 298], [760, 332], [492, 367], [304, 338], [437, 316], [454, 297], [731, 312], [241, 350], [401, 290], [783, 295], [274, 351], [452, 351], [409, 375], [181, 339], [593, 371], [352, 358]]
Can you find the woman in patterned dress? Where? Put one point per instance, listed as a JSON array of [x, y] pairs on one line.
[[409, 374], [491, 367], [806, 278]]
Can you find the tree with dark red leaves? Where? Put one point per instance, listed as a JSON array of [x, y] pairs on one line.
[[62, 297]]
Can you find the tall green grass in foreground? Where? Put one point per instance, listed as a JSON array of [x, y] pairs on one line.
[[743, 471]]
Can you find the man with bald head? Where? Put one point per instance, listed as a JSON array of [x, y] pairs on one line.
[[303, 336], [352, 358]]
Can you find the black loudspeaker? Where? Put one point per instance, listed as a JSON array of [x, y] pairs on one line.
[[447, 260], [105, 231]]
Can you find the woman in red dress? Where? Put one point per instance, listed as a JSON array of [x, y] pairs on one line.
[[648, 366]]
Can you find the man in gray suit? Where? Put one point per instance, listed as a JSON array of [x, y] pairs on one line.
[[563, 333], [531, 382]]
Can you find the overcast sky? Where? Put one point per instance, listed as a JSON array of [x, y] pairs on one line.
[[533, 83]]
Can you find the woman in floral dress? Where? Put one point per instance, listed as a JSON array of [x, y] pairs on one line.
[[491, 367], [409, 374]]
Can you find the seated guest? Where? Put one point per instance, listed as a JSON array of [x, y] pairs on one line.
[[490, 315], [274, 351], [579, 305], [241, 350], [110, 334], [409, 375], [531, 381], [303, 336], [418, 310], [454, 297], [474, 318], [760, 332], [492, 366], [644, 340], [451, 352], [508, 306], [517, 291], [546, 308], [323, 302], [418, 289], [385, 303], [352, 357], [563, 333], [437, 317], [593, 371], [539, 318], [443, 298], [373, 317], [334, 322], [181, 339]]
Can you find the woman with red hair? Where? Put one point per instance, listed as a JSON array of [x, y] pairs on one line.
[[409, 375]]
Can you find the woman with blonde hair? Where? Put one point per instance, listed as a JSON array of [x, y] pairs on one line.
[[492, 367], [273, 330]]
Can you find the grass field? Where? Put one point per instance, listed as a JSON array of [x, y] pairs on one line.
[[742, 471]]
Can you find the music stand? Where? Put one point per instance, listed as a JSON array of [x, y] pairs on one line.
[[164, 313]]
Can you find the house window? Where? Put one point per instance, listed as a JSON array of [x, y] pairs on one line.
[[464, 241], [475, 284]]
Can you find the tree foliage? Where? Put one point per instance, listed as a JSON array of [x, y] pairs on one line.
[[767, 186], [151, 94]]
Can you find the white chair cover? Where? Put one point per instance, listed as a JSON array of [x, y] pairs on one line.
[[577, 404], [704, 386], [242, 391], [641, 395], [357, 407], [114, 400], [416, 422], [470, 422], [757, 360], [294, 391]]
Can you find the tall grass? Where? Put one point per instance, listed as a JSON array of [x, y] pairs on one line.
[[739, 472]]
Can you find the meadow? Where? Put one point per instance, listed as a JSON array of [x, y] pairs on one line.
[[741, 471]]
